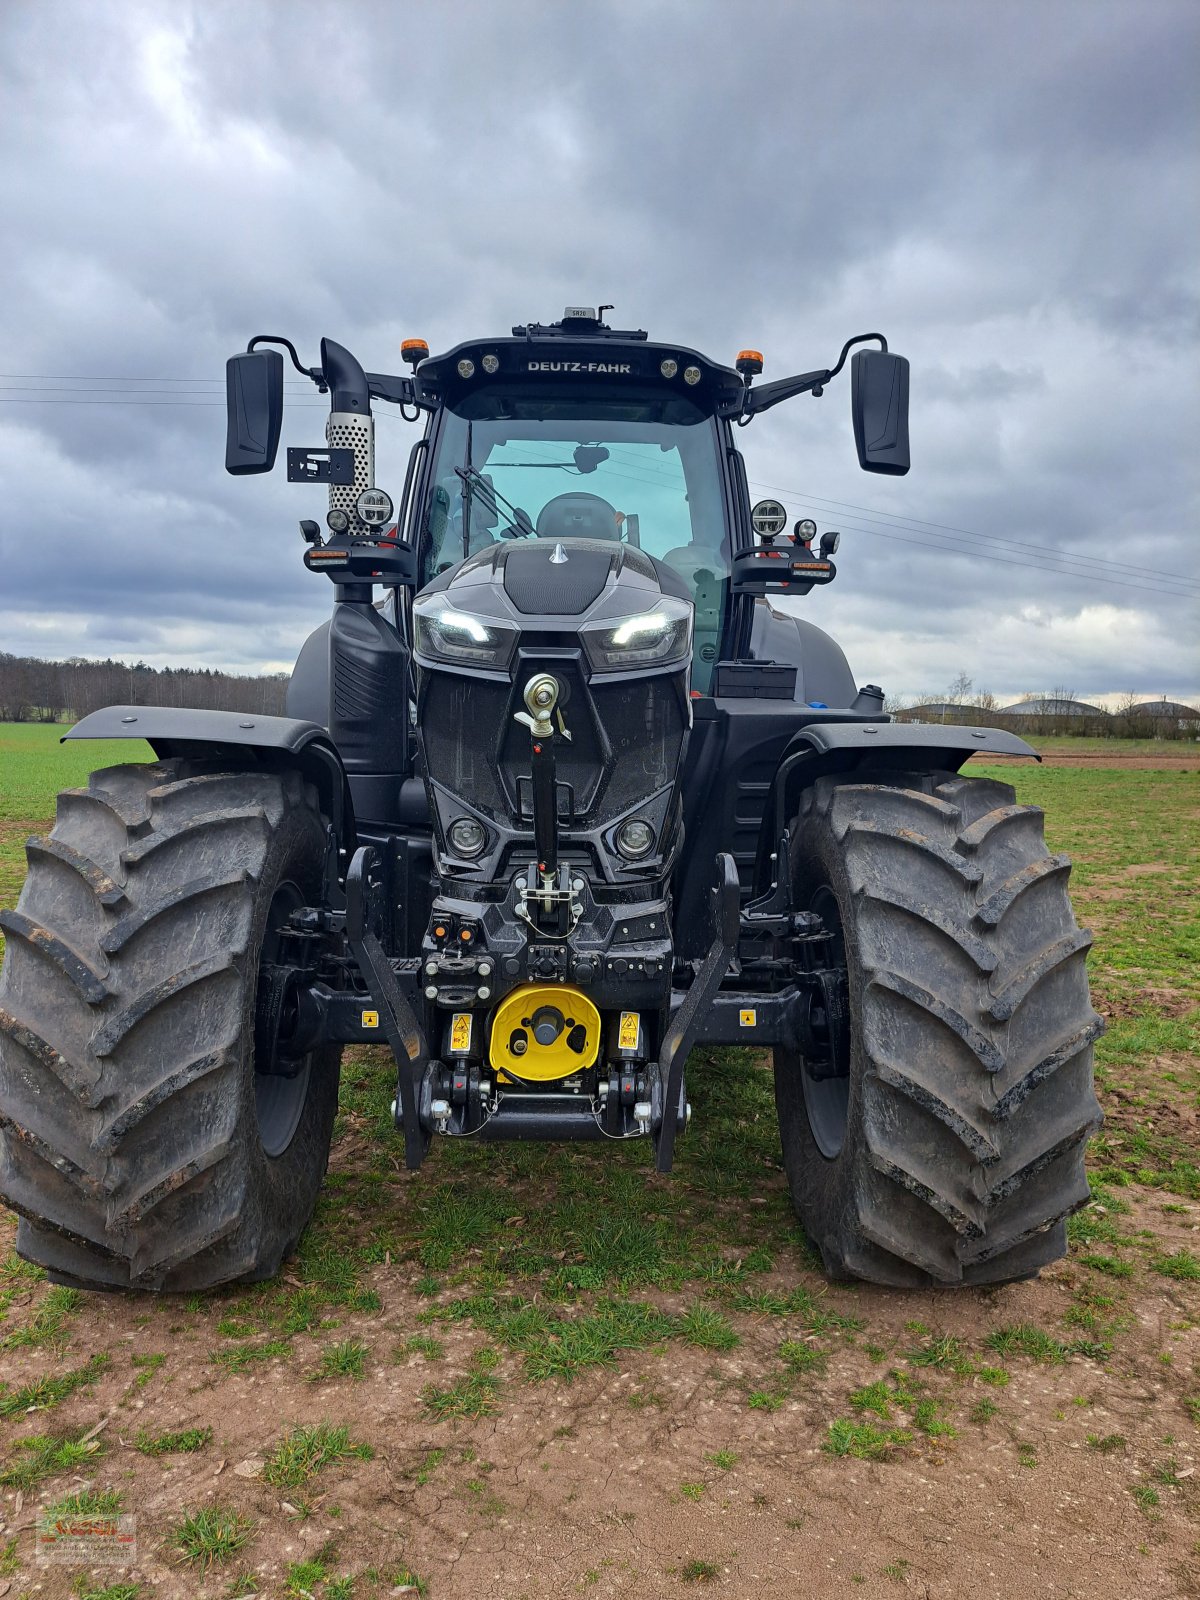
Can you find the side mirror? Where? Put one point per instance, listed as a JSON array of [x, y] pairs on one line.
[[254, 406], [879, 405]]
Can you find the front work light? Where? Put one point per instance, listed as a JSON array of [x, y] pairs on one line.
[[467, 836], [466, 368], [768, 518], [651, 638], [635, 838], [442, 633]]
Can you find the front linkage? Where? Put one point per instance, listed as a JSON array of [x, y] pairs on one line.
[[333, 982]]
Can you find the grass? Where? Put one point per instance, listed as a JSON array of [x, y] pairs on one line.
[[707, 1329], [186, 1441], [553, 1258], [1183, 1265], [472, 1396], [41, 1456], [304, 1451], [45, 1392], [210, 1535], [1105, 1443], [421, 1344], [864, 1441], [699, 1571], [555, 1345], [87, 1503], [346, 1359], [1024, 1339], [48, 1325], [237, 1357], [87, 1589]]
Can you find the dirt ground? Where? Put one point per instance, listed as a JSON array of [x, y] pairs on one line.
[[539, 1372], [610, 1484]]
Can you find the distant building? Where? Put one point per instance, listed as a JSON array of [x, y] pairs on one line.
[[940, 711], [1049, 706], [1167, 708], [1171, 712]]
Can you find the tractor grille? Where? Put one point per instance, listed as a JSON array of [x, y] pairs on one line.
[[626, 740]]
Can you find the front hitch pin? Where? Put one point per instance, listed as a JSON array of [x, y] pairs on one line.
[[542, 694], [541, 697]]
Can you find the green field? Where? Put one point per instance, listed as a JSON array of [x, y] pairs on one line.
[[520, 1304]]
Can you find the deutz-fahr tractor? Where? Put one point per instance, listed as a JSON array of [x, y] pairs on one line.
[[565, 788]]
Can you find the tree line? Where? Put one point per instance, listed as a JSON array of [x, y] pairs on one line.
[[32, 690]]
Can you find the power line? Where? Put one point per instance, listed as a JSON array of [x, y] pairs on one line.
[[1067, 564], [992, 538], [1026, 565], [942, 536]]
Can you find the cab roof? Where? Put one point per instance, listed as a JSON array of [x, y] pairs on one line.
[[580, 353]]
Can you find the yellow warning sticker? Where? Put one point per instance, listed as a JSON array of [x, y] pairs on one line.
[[460, 1033], [627, 1037], [370, 1019], [748, 1019]]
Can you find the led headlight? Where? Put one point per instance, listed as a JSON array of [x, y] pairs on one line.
[[651, 638], [467, 836], [466, 368], [490, 364], [443, 633], [635, 838], [668, 368]]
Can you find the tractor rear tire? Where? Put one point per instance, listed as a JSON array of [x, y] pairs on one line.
[[953, 1149], [139, 1145]]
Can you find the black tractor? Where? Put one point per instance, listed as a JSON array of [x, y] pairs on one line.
[[562, 792]]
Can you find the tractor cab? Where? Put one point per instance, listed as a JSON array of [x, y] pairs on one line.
[[525, 453]]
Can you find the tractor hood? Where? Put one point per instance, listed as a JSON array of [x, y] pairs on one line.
[[625, 611], [614, 630]]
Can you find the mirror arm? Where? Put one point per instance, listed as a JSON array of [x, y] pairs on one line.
[[770, 394], [314, 373], [859, 338], [388, 386]]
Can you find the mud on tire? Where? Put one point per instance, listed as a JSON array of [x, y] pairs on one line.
[[954, 1150], [130, 1107]]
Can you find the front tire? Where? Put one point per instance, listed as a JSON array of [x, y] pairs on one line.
[[139, 1145], [952, 1149]]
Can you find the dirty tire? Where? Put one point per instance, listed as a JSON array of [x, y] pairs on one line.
[[129, 1135], [970, 1097]]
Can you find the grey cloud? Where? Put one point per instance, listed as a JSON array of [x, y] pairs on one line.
[[1008, 192]]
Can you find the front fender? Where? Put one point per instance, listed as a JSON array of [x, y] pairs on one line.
[[822, 748], [234, 736]]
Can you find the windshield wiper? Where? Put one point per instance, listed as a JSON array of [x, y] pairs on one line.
[[516, 522]]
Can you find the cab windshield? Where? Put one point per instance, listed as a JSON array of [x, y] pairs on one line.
[[652, 484]]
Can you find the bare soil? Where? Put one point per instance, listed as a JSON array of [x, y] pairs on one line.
[[607, 1485]]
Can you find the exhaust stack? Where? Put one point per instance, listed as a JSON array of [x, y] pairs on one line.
[[350, 426]]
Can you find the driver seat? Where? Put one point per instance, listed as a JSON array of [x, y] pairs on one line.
[[578, 516]]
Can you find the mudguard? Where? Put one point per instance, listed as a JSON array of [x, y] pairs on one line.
[[821, 748], [235, 735]]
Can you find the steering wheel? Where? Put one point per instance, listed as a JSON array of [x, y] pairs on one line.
[[577, 516]]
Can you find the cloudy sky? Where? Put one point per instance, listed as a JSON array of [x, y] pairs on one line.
[[1008, 192]]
